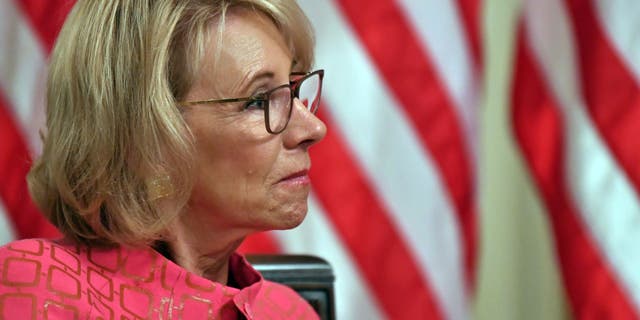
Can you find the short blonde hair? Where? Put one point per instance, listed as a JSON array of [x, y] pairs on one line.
[[113, 128]]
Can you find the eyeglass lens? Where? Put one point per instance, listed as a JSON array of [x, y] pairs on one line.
[[279, 105], [280, 101], [309, 92]]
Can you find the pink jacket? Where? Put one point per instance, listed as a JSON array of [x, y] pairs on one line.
[[43, 279]]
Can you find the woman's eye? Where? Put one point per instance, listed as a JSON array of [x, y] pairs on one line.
[[256, 104]]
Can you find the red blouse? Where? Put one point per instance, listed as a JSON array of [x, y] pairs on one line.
[[43, 279]]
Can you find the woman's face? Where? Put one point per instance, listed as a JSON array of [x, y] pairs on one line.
[[248, 179]]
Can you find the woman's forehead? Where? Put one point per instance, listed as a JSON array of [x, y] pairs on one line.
[[248, 45]]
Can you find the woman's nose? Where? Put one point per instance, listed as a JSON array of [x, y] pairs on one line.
[[305, 128]]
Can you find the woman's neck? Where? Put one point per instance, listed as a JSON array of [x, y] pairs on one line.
[[205, 254]]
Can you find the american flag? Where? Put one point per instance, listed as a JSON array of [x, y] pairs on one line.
[[576, 116], [394, 206]]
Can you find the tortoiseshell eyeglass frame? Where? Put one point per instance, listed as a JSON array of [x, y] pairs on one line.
[[294, 89]]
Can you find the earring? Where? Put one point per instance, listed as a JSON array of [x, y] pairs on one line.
[[159, 187]]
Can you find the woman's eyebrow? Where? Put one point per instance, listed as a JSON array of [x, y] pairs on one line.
[[249, 81]]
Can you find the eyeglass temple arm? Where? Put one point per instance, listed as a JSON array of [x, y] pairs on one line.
[[211, 101]]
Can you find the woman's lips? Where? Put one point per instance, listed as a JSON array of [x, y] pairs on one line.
[[297, 178]]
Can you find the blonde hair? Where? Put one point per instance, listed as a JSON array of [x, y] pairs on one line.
[[114, 134]]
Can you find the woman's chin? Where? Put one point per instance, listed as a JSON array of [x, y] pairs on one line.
[[290, 218]]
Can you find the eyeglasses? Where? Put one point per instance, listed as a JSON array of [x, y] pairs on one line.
[[277, 103]]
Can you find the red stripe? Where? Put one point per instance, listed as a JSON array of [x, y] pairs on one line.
[[470, 13], [538, 126], [367, 232], [611, 91], [263, 242], [14, 165], [407, 71], [46, 17]]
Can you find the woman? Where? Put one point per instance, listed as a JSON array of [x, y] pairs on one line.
[[175, 129]]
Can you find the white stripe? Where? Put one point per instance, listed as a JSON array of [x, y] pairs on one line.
[[620, 22], [442, 35], [316, 236], [22, 72], [385, 145], [6, 231], [605, 198]]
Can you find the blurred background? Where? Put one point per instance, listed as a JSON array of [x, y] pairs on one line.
[[482, 160]]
